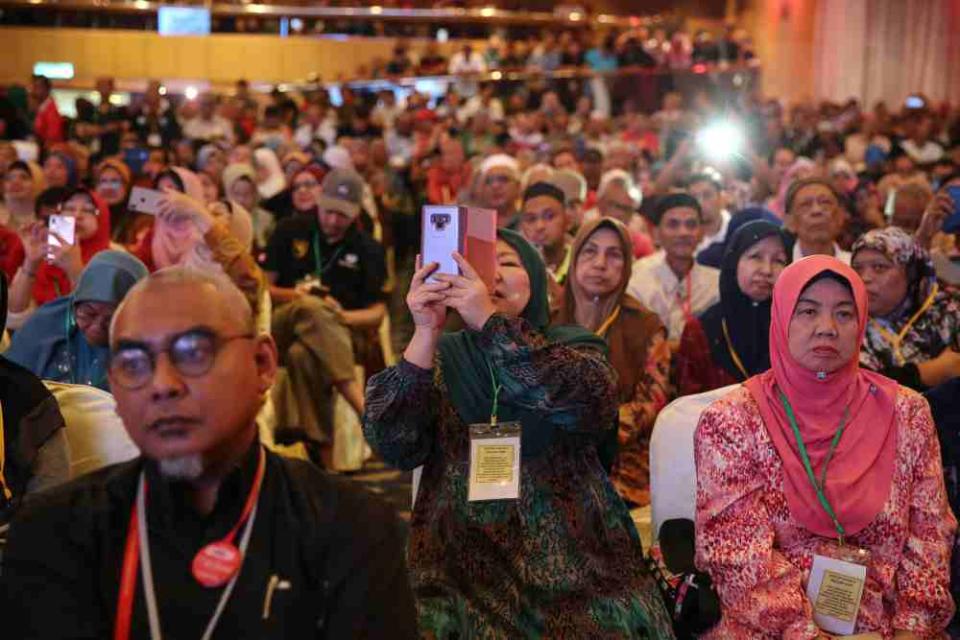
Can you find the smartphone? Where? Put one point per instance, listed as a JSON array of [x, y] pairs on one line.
[[952, 223], [441, 237], [63, 226], [914, 102], [890, 206], [143, 200]]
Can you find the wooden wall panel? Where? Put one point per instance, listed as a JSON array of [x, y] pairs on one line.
[[220, 58]]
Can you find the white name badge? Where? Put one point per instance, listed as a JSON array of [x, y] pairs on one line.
[[835, 589], [494, 462]]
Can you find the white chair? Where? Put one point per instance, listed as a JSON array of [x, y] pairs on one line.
[[95, 433], [673, 472]]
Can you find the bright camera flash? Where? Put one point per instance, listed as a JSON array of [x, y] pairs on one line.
[[720, 140], [191, 93]]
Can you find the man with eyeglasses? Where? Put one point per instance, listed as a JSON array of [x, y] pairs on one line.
[[670, 282], [206, 531], [499, 188], [816, 219]]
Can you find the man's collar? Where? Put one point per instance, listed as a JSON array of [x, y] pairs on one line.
[[169, 502]]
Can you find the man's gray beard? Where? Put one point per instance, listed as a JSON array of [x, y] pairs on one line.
[[182, 467]]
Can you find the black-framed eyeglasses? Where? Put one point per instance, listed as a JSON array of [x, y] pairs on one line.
[[192, 354], [306, 184]]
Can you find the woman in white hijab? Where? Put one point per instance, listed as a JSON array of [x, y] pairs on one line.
[[270, 178]]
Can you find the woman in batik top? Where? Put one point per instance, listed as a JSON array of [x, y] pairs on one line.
[[761, 452], [595, 298], [564, 559], [913, 335]]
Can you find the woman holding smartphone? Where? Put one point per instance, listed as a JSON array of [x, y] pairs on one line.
[[554, 553], [52, 262]]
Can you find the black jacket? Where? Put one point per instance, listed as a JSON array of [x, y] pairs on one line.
[[337, 549]]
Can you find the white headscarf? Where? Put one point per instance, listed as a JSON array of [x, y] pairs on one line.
[[275, 181]]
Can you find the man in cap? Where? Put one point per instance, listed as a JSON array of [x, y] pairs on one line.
[[207, 530], [332, 249], [499, 188], [327, 277]]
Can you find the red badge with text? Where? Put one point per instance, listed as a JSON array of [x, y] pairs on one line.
[[216, 563]]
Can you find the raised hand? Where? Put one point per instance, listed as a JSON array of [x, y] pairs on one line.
[[176, 207], [426, 300], [468, 294]]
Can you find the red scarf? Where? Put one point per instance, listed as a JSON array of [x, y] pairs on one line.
[[861, 470]]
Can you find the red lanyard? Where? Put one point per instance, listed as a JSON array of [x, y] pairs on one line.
[[687, 303], [131, 553]]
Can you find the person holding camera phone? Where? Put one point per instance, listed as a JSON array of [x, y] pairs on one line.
[[558, 557], [52, 269], [946, 258]]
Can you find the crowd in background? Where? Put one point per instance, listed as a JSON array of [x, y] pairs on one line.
[[644, 221]]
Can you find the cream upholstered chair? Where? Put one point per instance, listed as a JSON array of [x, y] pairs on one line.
[[673, 472]]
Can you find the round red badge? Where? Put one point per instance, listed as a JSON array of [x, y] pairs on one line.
[[216, 563]]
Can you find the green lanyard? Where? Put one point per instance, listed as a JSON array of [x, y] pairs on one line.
[[495, 409], [318, 259], [818, 486]]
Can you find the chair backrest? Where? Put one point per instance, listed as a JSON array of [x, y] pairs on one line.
[[95, 433], [673, 473]]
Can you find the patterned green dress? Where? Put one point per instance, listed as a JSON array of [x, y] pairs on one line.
[[563, 561]]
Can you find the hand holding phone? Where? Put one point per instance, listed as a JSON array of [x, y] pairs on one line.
[[952, 223], [62, 248], [62, 231], [144, 200]]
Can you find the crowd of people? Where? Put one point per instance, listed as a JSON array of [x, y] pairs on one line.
[[642, 47], [235, 271]]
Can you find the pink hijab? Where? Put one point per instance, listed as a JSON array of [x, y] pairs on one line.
[[172, 241], [861, 470]]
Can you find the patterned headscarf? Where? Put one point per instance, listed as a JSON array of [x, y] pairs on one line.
[[903, 250]]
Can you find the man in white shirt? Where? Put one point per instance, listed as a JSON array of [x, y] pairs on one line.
[[670, 282], [708, 191], [921, 149], [467, 63], [815, 217], [207, 125], [317, 123]]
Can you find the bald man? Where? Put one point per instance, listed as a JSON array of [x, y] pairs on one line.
[[206, 531]]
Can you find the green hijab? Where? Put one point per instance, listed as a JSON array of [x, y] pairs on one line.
[[466, 368]]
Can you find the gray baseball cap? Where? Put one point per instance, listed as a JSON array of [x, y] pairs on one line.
[[342, 190]]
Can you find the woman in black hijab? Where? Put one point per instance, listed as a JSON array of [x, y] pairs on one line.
[[729, 342], [33, 446]]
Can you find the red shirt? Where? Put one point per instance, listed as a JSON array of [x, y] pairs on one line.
[[442, 186], [11, 252], [48, 125]]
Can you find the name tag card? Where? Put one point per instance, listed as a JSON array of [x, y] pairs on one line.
[[494, 462], [835, 589]]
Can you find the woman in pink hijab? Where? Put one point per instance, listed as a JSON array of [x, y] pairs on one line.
[[216, 238], [814, 459]]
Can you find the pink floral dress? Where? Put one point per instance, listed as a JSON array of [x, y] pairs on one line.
[[759, 556]]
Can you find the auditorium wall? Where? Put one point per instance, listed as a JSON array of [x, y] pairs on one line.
[[220, 58]]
